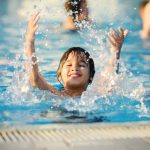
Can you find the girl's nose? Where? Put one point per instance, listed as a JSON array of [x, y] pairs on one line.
[[74, 67]]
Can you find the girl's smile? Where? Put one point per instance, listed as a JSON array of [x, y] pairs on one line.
[[74, 75]]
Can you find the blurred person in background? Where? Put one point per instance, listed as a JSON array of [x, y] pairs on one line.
[[77, 11], [144, 11]]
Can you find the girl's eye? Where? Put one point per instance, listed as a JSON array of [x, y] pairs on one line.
[[81, 65], [68, 65]]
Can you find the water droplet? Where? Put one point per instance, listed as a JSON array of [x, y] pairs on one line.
[[46, 44]]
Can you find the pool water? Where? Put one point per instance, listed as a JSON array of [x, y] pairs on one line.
[[20, 104]]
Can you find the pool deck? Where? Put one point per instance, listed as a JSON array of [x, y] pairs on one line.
[[95, 136]]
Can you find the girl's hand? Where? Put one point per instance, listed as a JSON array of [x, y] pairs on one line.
[[116, 40], [32, 27]]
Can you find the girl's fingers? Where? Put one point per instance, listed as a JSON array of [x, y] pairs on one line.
[[111, 35], [32, 28], [114, 32], [120, 29], [121, 32], [35, 28], [35, 15], [111, 42], [32, 17], [33, 22], [36, 20], [117, 40], [126, 32], [112, 38], [115, 51], [114, 35], [118, 37]]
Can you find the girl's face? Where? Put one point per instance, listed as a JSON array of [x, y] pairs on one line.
[[75, 72]]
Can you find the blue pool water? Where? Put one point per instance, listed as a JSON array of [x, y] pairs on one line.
[[20, 104]]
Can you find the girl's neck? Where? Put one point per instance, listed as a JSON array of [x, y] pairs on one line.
[[72, 93]]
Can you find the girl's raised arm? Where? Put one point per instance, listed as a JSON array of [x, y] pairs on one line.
[[36, 79], [116, 41]]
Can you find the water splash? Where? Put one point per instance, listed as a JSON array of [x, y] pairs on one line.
[[19, 92], [126, 97]]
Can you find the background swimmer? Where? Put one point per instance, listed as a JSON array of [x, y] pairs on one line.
[[144, 10], [76, 69], [3, 62], [77, 12]]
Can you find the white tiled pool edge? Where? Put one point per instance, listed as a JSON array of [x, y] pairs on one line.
[[77, 136]]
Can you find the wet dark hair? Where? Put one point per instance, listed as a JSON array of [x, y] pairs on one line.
[[75, 6], [143, 4], [78, 51]]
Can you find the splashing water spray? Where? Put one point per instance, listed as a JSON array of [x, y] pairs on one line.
[[124, 85]]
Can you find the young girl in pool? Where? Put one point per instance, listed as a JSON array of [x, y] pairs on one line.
[[76, 69]]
